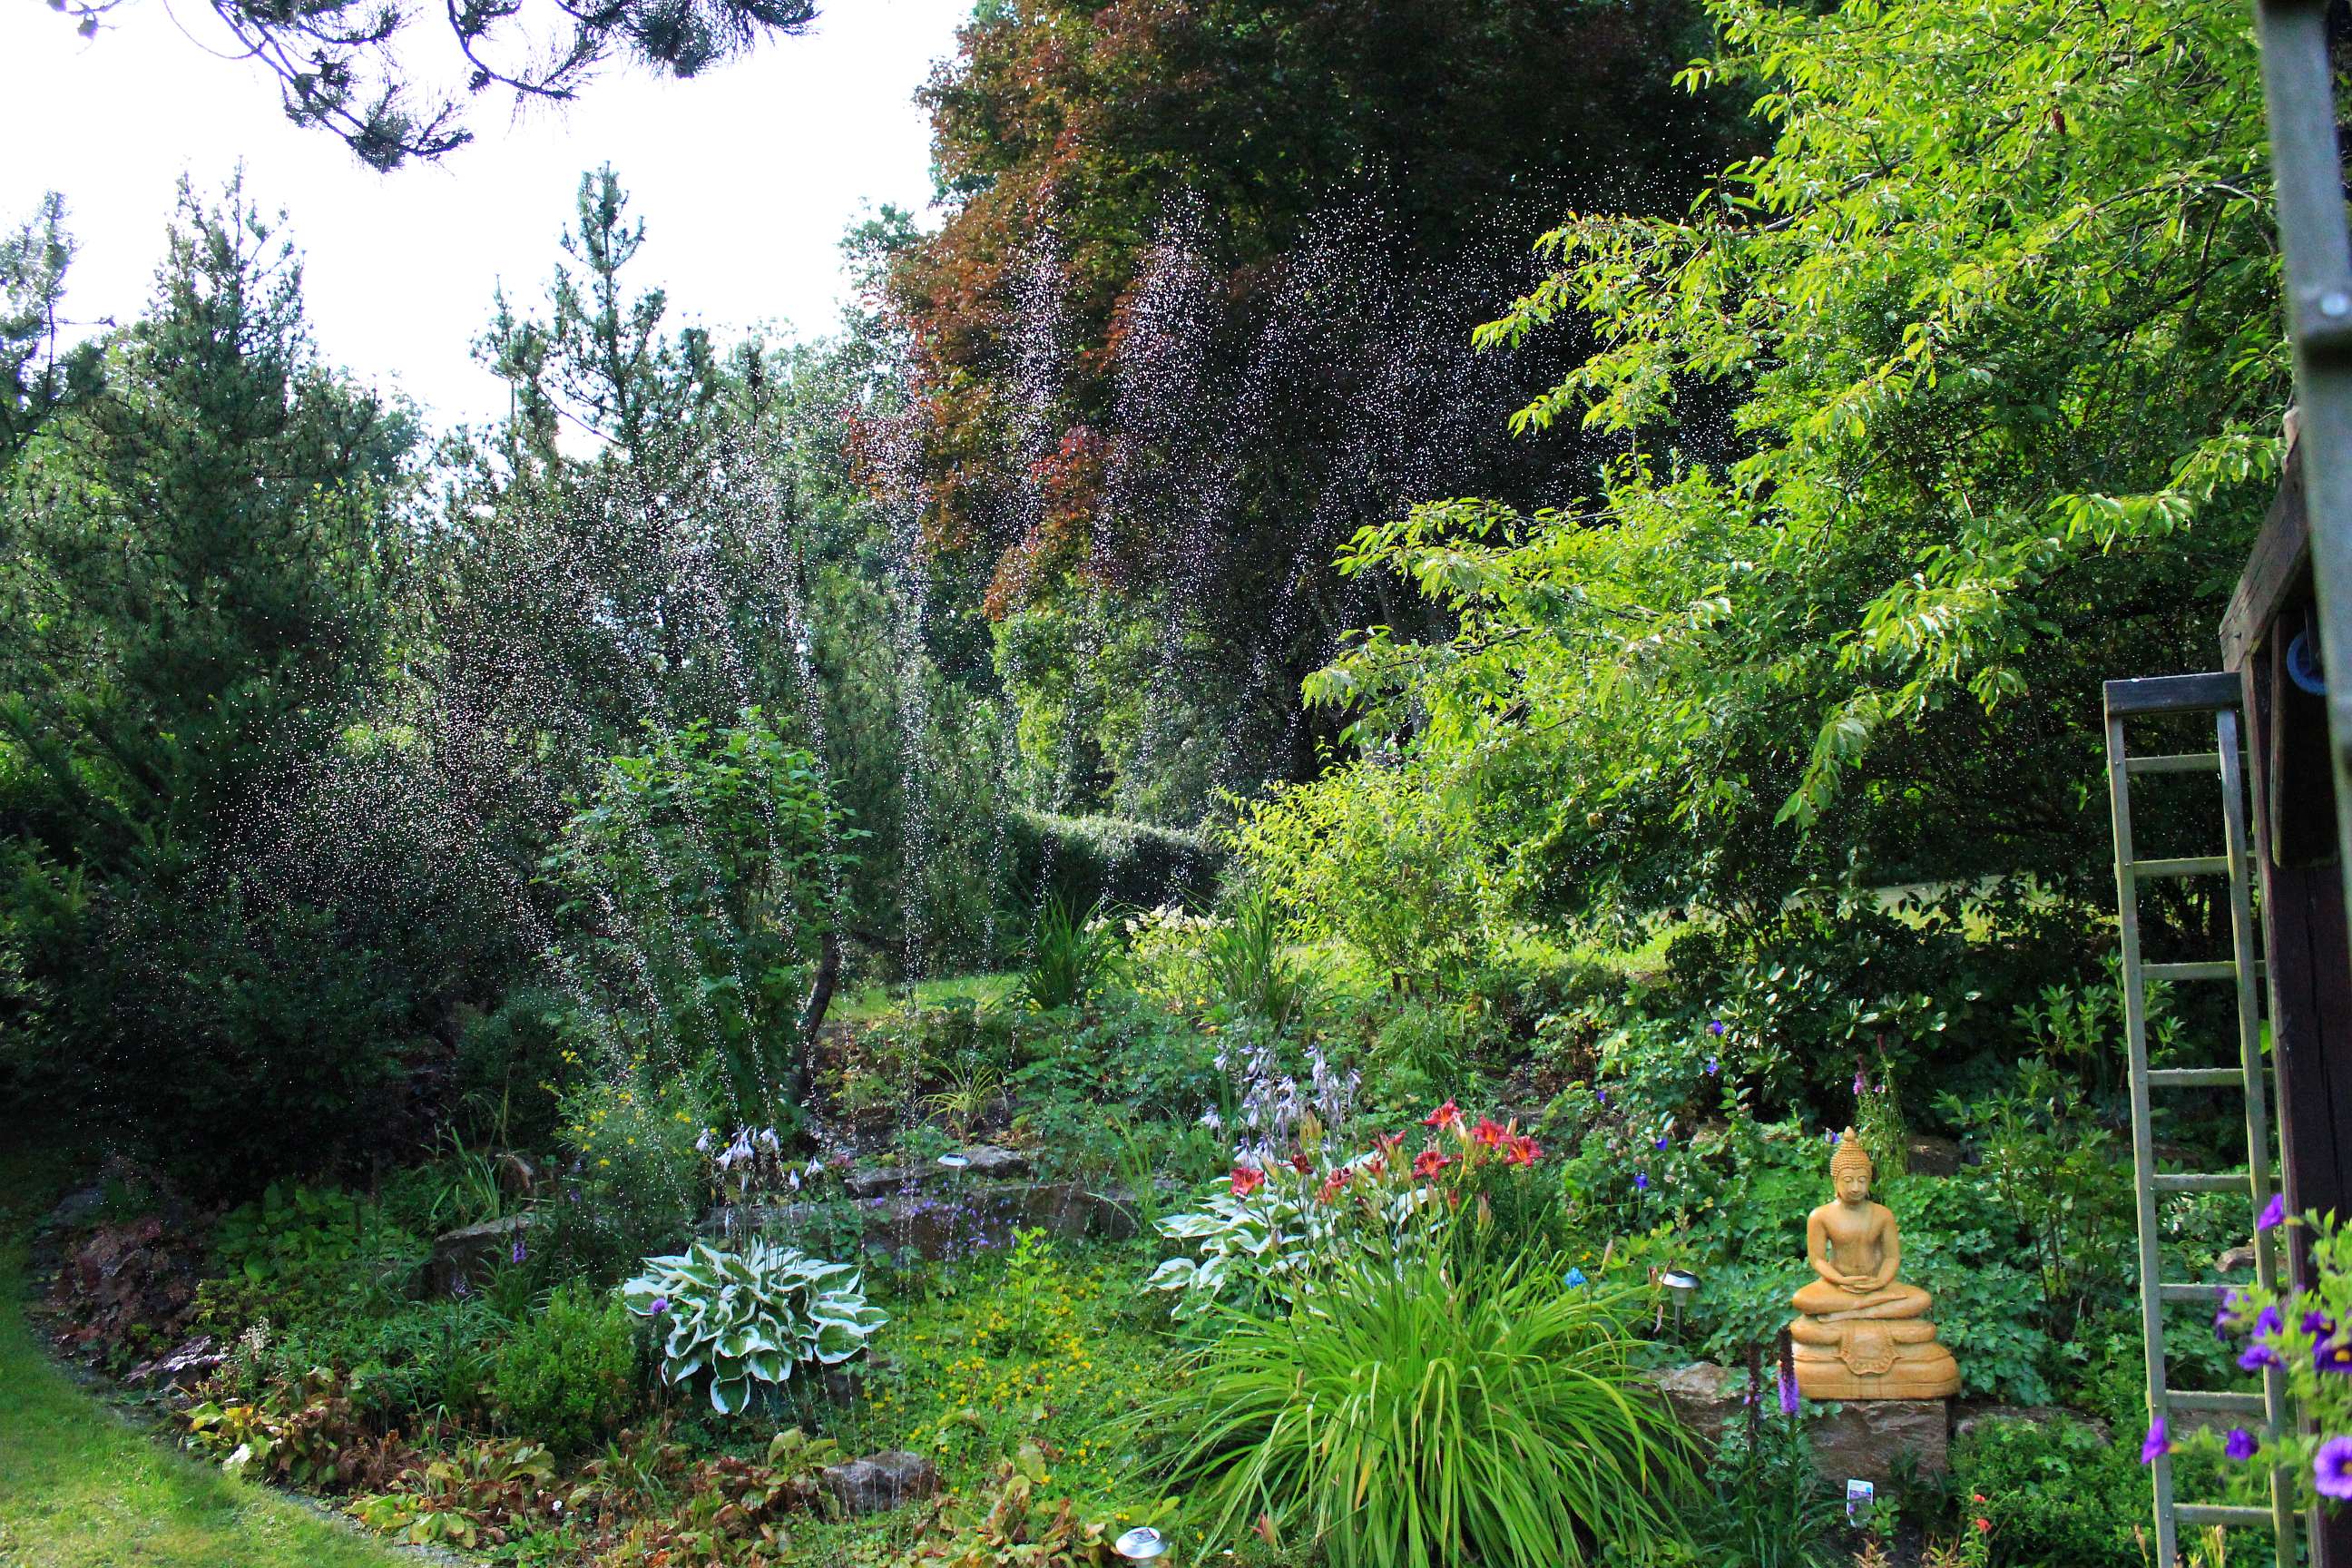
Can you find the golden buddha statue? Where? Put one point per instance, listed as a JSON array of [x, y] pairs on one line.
[[1864, 1334]]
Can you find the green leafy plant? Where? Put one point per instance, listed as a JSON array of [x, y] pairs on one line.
[[301, 1248], [568, 1376], [1250, 963], [1070, 955], [1419, 1415], [971, 1088], [749, 1316]]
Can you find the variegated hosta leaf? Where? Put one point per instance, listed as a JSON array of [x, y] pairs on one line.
[[750, 1317]]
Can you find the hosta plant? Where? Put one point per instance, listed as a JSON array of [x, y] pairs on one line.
[[749, 1315]]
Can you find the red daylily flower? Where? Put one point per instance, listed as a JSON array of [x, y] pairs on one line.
[[1446, 1116], [1486, 1132], [1300, 1163], [1429, 1162], [1522, 1151], [1333, 1182], [1247, 1179]]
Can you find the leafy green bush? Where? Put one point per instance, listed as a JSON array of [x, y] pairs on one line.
[[1250, 963], [422, 1362], [510, 1066], [2054, 1493], [569, 1374], [750, 1316], [1416, 1416]]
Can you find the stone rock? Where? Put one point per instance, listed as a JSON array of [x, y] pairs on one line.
[[2235, 1259], [470, 1253], [1863, 1438], [989, 1162], [517, 1177], [881, 1481], [80, 1208], [1705, 1398], [872, 1183], [1966, 1418], [192, 1361], [1928, 1156]]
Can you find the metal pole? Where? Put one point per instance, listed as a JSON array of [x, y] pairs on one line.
[[2299, 93]]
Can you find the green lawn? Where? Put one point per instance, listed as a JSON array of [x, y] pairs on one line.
[[874, 1002], [78, 1486]]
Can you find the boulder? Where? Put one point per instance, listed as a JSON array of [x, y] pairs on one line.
[[1705, 1398], [2237, 1257], [1928, 1156], [191, 1362], [1864, 1439], [988, 1163], [881, 1481], [470, 1253]]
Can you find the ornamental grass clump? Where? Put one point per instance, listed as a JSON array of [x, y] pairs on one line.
[[1432, 1415], [749, 1315]]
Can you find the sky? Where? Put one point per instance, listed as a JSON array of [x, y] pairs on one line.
[[746, 178]]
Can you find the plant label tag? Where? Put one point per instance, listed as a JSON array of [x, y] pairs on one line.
[[1859, 1496]]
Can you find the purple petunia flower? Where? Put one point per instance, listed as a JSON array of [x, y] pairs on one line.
[[2318, 1324], [2159, 1443], [2240, 1444], [2331, 1469], [2333, 1353], [1714, 1027], [2258, 1355], [2273, 1213]]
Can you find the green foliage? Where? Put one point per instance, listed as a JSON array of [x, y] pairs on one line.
[[2056, 1492], [1805, 649], [1110, 860], [510, 1064], [299, 1249], [1771, 1507], [1070, 955], [706, 863], [568, 1376], [1250, 964], [1415, 1416], [749, 1315]]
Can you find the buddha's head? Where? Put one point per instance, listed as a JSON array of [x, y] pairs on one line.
[[1850, 1169]]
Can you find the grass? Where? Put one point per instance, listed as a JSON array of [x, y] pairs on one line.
[[79, 1487], [864, 1006]]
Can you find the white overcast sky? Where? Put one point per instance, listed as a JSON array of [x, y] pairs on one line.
[[746, 178]]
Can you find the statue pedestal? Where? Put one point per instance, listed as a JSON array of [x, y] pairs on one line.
[[1865, 1438]]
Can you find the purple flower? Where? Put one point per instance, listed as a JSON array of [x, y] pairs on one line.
[[2240, 1444], [2157, 1444], [1711, 1065], [1830, 1139], [1861, 1085], [459, 1289], [2333, 1353], [517, 1255], [1714, 1027], [660, 1305], [2331, 1469], [2258, 1355], [1640, 1180], [1603, 1094], [2318, 1323], [1661, 1142], [1788, 1394], [2273, 1213]]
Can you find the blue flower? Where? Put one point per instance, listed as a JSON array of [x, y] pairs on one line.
[[2240, 1444], [2331, 1469], [1711, 1065], [1575, 1278], [2158, 1444], [2273, 1213], [1640, 1180], [1661, 1142], [1714, 1027]]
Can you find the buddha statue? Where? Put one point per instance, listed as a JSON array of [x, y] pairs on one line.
[[1863, 1333]]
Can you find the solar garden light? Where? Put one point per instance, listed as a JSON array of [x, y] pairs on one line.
[[1682, 1285], [1140, 1545]]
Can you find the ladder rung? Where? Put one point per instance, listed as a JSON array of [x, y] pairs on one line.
[[2186, 763], [2205, 1182], [2219, 1513], [2204, 1295], [2224, 1403], [2196, 1077], [2220, 969], [2193, 865]]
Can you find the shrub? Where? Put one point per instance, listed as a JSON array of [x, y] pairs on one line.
[[1415, 1416], [1251, 966], [750, 1316], [1087, 860], [299, 1251], [2054, 1493], [510, 1066], [569, 1376]]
